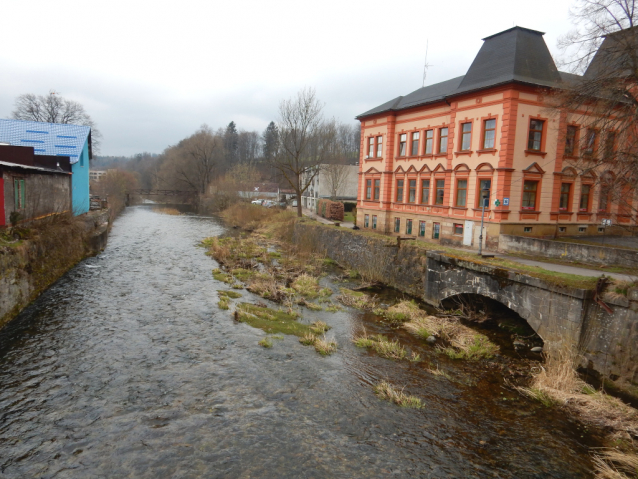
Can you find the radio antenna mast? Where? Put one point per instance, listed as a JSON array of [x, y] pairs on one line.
[[425, 64]]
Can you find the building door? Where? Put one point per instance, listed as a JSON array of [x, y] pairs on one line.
[[436, 230], [467, 233]]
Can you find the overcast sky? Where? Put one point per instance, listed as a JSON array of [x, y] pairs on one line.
[[151, 72]]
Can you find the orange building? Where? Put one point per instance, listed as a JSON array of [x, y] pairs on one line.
[[429, 159]]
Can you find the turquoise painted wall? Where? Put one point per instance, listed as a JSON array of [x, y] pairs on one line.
[[80, 183]]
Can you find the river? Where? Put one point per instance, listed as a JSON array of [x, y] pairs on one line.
[[126, 368]]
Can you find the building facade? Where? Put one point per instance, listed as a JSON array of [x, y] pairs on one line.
[[56, 139], [344, 179], [32, 186], [432, 159]]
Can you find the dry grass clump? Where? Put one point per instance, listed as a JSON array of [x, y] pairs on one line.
[[223, 302], [319, 327], [386, 391], [558, 383], [401, 312], [467, 344], [325, 347], [357, 299], [383, 346], [248, 216], [463, 342], [308, 339], [614, 464], [306, 285]]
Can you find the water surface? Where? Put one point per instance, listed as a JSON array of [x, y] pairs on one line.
[[127, 368]]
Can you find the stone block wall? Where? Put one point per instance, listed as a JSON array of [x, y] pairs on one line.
[[561, 316]]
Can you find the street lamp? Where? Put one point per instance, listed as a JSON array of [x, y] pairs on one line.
[[485, 199]]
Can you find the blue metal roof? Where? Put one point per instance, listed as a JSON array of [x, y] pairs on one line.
[[55, 139]]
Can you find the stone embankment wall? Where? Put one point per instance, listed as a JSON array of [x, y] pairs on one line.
[[582, 253], [565, 317], [30, 267]]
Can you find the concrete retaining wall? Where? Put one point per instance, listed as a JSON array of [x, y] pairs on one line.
[[582, 253], [30, 267]]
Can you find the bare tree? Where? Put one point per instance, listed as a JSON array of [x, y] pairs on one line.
[[602, 96], [192, 162], [53, 108], [336, 175], [305, 141]]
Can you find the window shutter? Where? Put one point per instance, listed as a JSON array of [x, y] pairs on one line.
[[22, 194]]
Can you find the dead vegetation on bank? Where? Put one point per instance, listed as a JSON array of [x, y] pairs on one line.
[[558, 383]]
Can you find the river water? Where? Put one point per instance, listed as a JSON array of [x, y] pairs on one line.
[[126, 368]]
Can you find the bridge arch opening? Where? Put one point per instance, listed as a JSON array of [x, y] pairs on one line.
[[503, 325]]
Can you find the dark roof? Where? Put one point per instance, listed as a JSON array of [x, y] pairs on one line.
[[616, 54], [514, 55]]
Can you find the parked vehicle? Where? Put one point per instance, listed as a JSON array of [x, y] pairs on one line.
[[258, 202]]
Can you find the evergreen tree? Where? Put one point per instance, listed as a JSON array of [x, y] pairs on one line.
[[231, 141], [271, 140]]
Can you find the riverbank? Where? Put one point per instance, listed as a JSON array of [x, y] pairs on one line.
[[555, 384], [41, 254]]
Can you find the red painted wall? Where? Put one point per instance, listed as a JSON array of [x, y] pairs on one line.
[[2, 212]]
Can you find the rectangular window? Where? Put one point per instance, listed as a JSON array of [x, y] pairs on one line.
[[19, 193], [489, 134], [440, 191], [570, 140], [603, 203], [399, 198], [582, 229], [368, 189], [466, 136], [403, 139], [377, 188], [408, 227], [565, 188], [429, 139], [366, 221], [397, 225], [374, 222], [610, 144], [411, 191], [371, 147], [529, 195], [535, 135], [415, 144], [585, 191], [458, 228], [527, 229], [562, 229], [379, 146], [590, 143], [421, 228], [484, 193], [461, 192], [425, 192], [442, 140], [436, 230]]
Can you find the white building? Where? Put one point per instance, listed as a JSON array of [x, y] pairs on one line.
[[342, 178]]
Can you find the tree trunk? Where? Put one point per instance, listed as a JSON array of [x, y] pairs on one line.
[[299, 211]]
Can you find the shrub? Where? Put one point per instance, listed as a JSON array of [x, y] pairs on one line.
[[332, 210]]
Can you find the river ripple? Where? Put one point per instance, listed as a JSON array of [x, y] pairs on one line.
[[127, 368]]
